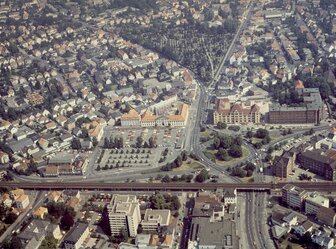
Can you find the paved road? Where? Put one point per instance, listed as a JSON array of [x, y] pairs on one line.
[[36, 202]]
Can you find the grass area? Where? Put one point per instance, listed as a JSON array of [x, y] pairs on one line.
[[206, 136], [286, 243], [210, 154], [189, 165], [246, 153], [256, 140], [248, 179]]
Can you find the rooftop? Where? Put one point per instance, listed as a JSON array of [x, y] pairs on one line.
[[76, 232]]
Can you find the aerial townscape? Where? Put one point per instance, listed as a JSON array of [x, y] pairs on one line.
[[167, 124]]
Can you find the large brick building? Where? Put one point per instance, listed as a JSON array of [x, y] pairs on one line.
[[233, 113], [283, 165], [320, 162], [309, 111]]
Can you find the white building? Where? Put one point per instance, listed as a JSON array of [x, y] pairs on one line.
[[124, 213], [230, 197], [314, 201], [293, 196], [155, 218]]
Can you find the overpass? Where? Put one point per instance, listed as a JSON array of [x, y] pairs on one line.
[[311, 186]]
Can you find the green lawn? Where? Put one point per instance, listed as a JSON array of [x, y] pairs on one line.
[[189, 165]]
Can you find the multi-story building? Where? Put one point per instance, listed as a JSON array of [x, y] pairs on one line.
[[154, 219], [149, 119], [233, 113], [327, 216], [124, 213], [309, 111], [230, 197], [75, 237], [283, 165], [293, 196], [132, 118], [314, 201], [320, 162]]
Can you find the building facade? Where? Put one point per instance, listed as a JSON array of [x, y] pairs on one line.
[[283, 165], [233, 113], [320, 162], [293, 196], [149, 119], [75, 237], [309, 111], [124, 213], [313, 202], [154, 219]]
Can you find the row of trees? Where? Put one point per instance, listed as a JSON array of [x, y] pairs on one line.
[[175, 178], [243, 170], [140, 143], [176, 163], [112, 143]]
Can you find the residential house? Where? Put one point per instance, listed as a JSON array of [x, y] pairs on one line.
[[74, 239]]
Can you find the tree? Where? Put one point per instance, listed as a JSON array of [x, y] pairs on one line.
[[10, 218], [216, 143], [268, 157], [221, 125], [139, 142], [75, 144], [184, 155], [202, 176], [67, 221], [157, 201], [225, 141], [261, 133], [175, 203], [175, 178], [236, 151], [249, 134], [166, 178], [151, 142], [178, 161], [123, 234], [223, 154], [49, 243]]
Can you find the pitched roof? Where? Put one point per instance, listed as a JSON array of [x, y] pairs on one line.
[[75, 232], [132, 114]]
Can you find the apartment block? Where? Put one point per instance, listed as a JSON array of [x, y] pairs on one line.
[[293, 196], [124, 213], [313, 203], [155, 218]]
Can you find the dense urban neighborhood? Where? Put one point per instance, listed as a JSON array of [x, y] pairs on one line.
[[165, 124]]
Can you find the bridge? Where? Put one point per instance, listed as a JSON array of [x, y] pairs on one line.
[[243, 187]]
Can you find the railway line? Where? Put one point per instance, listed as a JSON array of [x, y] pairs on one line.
[[243, 187]]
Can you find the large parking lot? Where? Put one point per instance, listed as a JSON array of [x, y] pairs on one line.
[[123, 158], [163, 137]]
